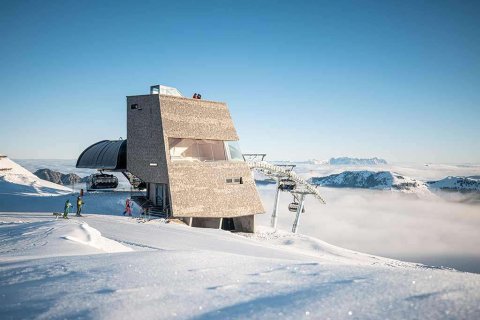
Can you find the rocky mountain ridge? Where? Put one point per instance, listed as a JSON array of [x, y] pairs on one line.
[[58, 177], [387, 180], [382, 180]]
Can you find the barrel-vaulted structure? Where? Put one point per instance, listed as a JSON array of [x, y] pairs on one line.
[[105, 155]]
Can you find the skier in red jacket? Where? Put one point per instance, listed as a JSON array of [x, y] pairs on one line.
[[128, 207]]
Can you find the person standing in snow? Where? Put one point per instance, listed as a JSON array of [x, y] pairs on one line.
[[144, 213], [128, 207], [79, 206], [66, 209]]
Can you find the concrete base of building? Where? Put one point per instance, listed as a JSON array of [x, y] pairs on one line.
[[237, 224], [245, 223]]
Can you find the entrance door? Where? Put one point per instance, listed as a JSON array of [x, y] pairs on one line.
[[160, 195]]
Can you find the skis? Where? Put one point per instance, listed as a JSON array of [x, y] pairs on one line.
[[60, 215]]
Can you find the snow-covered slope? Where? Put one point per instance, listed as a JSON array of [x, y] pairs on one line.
[[161, 271], [313, 247], [382, 180], [112, 267], [14, 179], [457, 184]]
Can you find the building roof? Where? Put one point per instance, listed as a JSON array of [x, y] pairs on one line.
[[104, 155], [196, 119]]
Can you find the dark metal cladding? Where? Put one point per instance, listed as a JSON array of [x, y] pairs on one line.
[[104, 155]]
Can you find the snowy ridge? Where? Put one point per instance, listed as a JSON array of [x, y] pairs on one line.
[[317, 162], [14, 179], [382, 180], [387, 180], [457, 183]]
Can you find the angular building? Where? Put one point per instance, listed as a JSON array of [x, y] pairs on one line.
[[186, 151]]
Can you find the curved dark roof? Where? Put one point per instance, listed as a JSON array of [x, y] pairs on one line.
[[106, 154]]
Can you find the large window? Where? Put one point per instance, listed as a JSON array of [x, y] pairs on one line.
[[196, 150], [204, 150], [233, 150]]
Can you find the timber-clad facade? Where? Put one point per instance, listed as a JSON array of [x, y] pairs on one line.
[[186, 150]]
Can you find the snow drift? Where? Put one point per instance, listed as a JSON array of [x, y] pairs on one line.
[[24, 238], [89, 236]]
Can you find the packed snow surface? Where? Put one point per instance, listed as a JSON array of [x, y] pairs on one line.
[[174, 271], [114, 267]]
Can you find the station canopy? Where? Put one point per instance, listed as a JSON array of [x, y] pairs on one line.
[[105, 155]]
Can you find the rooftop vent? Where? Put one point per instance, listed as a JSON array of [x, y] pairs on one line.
[[169, 91]]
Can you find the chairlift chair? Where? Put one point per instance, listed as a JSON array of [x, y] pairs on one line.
[[293, 207], [102, 181], [286, 184]]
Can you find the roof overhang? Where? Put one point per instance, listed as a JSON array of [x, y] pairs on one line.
[[105, 155]]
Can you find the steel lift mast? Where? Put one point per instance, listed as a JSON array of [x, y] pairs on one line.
[[287, 180]]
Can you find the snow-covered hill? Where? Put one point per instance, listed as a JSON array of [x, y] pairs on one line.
[[14, 179], [457, 184], [356, 161], [382, 180], [105, 267]]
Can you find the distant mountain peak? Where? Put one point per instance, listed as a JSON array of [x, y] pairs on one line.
[[365, 179], [454, 183], [356, 161], [58, 177]]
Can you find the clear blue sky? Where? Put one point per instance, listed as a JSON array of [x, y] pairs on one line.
[[303, 79]]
